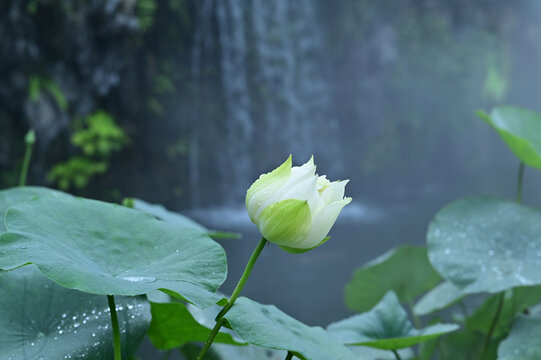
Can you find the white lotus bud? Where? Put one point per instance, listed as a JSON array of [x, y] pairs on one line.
[[294, 207]]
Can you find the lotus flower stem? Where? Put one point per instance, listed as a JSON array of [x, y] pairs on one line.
[[519, 186], [116, 329], [234, 296], [29, 140], [289, 355], [492, 326], [520, 181]]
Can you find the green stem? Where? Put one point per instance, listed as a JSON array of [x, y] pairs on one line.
[[520, 179], [116, 329], [234, 296], [29, 140], [416, 320], [492, 326], [397, 355], [289, 355]]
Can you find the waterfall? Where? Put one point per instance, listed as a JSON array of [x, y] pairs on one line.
[[276, 99]]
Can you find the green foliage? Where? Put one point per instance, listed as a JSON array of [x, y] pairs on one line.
[[392, 271], [37, 85], [44, 320], [460, 345], [145, 10], [495, 83], [475, 243], [109, 249], [440, 297], [386, 326], [515, 301], [524, 341], [21, 194], [174, 325], [162, 213], [520, 129], [98, 137], [268, 327], [76, 171]]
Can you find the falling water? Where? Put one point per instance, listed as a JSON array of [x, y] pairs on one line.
[[274, 90]]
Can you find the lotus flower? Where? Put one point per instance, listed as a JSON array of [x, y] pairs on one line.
[[295, 208]]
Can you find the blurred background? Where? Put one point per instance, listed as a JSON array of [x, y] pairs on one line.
[[186, 102]]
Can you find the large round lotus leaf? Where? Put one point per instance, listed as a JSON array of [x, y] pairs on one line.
[[485, 244], [266, 326], [524, 341], [19, 195], [104, 248], [162, 213], [404, 270], [520, 129], [42, 320], [442, 296], [386, 326], [173, 325]]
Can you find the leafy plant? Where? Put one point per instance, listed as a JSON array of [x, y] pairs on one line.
[[61, 257], [39, 85], [98, 137]]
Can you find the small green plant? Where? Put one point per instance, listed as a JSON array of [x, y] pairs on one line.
[[98, 137], [37, 85]]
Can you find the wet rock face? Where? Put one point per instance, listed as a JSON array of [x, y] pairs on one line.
[[61, 58]]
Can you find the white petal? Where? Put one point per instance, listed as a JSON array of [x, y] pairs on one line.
[[334, 192], [322, 183], [322, 223], [305, 189], [299, 175], [265, 186]]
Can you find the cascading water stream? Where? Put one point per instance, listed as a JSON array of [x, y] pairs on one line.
[[274, 92]]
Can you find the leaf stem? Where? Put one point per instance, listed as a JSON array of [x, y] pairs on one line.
[[234, 296], [29, 141], [416, 320], [492, 326], [289, 355], [116, 329], [396, 355], [520, 180]]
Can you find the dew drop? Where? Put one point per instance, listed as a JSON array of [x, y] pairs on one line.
[[143, 279]]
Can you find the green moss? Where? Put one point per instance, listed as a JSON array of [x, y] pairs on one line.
[[77, 171], [145, 10], [38, 85], [98, 137]]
